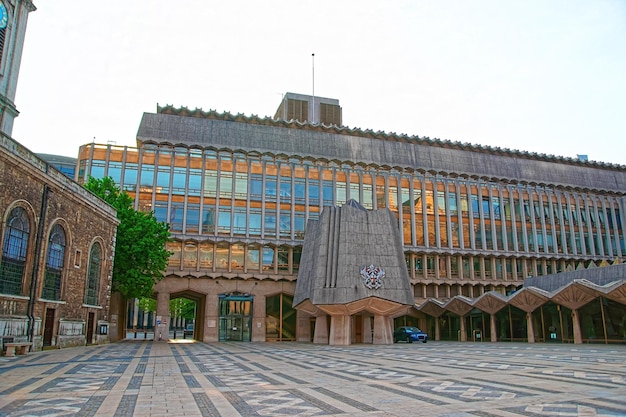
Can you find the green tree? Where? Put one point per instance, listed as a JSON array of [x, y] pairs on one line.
[[183, 307], [140, 253]]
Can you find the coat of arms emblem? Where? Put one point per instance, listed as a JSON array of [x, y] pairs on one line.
[[372, 276]]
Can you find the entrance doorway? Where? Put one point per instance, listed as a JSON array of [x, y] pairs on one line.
[[235, 317], [90, 323], [48, 327]]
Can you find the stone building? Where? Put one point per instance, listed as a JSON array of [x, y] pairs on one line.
[[57, 238], [57, 244], [474, 221]]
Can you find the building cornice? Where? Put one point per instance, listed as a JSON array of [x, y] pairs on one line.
[[380, 135]]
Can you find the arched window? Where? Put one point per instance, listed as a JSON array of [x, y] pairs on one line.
[[4, 20], [54, 264], [14, 252], [93, 275]]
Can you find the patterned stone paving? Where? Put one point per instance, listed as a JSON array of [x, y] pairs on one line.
[[443, 379]]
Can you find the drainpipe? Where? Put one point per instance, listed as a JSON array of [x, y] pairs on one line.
[[37, 259]]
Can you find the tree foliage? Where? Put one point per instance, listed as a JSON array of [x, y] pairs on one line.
[[183, 307], [140, 253]]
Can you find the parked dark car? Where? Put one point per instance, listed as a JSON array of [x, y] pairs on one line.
[[409, 334]]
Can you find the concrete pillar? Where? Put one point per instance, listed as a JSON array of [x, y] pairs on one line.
[[161, 332], [321, 330], [303, 326], [437, 329], [383, 330], [530, 330], [494, 328], [211, 319], [340, 334], [258, 319], [463, 330], [578, 337], [367, 330]]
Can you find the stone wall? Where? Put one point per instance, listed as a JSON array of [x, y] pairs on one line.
[[85, 219]]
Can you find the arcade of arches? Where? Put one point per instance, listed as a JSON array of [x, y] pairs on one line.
[[236, 310]]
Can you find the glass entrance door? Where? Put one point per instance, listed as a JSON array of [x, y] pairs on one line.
[[235, 317]]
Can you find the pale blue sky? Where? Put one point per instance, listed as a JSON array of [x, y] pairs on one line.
[[540, 76]]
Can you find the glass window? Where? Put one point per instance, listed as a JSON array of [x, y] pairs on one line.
[[268, 258], [328, 193], [299, 190], [195, 181], [54, 264], [210, 184], [270, 223], [179, 179], [206, 255], [256, 187], [115, 171], [176, 216], [193, 218], [163, 179], [241, 185], [314, 194], [208, 219], [255, 222], [14, 251], [239, 221], [130, 177], [147, 175], [253, 257], [160, 211], [226, 184], [97, 169], [270, 188], [285, 224], [191, 255], [93, 274], [223, 220]]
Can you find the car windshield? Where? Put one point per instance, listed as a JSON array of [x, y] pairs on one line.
[[413, 330]]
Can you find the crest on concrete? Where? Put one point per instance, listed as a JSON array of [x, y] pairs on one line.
[[373, 276]]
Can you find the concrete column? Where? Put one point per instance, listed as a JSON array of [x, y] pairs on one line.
[[530, 330], [303, 326], [163, 314], [340, 334], [578, 337], [383, 330], [211, 318], [258, 319], [463, 330], [494, 328], [321, 330], [437, 329]]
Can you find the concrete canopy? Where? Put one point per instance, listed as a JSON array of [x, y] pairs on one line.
[[353, 266]]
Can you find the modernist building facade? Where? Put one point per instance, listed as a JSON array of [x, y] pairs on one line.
[[475, 221]]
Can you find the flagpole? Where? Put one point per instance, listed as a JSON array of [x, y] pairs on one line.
[[313, 73]]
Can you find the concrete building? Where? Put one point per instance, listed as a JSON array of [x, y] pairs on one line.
[[474, 221]]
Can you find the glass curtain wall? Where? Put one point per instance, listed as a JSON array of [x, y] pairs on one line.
[[235, 211]]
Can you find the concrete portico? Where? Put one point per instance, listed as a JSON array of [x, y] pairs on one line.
[[353, 271]]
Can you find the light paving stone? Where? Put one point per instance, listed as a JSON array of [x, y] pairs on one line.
[[444, 379]]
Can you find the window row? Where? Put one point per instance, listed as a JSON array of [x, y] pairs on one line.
[[224, 193], [18, 243]]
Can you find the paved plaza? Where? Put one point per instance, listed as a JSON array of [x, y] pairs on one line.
[[182, 378]]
